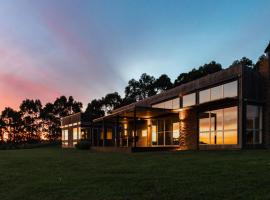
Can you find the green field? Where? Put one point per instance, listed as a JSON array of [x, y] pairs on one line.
[[53, 173]]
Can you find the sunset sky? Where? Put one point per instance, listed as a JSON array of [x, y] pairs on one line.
[[90, 48]]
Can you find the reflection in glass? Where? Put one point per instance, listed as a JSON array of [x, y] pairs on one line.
[[230, 118], [204, 138], [219, 137], [204, 96], [218, 126], [176, 103], [189, 100], [230, 89], [230, 137], [170, 104], [254, 124], [217, 120], [216, 93]]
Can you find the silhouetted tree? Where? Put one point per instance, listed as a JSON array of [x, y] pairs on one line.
[[30, 110], [94, 109], [111, 101], [143, 88], [244, 61], [50, 122], [2, 129], [194, 74], [163, 83], [14, 125]]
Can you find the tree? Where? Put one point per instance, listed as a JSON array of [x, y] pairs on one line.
[[111, 101], [132, 91], [244, 61], [30, 110], [141, 89], [2, 129], [13, 125], [64, 107], [163, 83], [50, 123], [94, 109], [194, 74]]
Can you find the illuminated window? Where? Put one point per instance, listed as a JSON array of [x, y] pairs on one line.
[[66, 134], [63, 134], [109, 134], [189, 100], [144, 133], [75, 133], [79, 133], [154, 134]]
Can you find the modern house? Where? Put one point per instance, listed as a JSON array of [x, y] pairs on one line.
[[74, 128], [229, 109]]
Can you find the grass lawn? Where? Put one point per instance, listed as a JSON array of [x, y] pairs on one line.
[[69, 174]]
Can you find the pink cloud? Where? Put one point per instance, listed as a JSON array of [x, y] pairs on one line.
[[16, 88]]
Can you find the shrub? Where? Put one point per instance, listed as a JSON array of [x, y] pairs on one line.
[[83, 144]]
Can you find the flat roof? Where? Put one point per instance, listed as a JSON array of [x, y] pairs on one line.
[[202, 83], [141, 112]]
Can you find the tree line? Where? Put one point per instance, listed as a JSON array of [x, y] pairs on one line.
[[33, 122]]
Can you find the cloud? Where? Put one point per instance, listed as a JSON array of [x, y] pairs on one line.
[[15, 88]]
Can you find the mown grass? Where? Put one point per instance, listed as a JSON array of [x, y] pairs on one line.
[[69, 174]]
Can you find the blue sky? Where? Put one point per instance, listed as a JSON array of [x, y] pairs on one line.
[[90, 48]]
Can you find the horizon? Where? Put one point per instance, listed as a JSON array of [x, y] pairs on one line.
[[88, 49]]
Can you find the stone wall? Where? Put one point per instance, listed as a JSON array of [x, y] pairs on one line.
[[188, 129]]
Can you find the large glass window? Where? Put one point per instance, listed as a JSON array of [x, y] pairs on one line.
[[170, 104], [109, 134], [204, 96], [176, 133], [254, 124], [154, 135], [230, 89], [66, 134], [75, 133], [216, 92], [218, 126], [219, 92], [63, 134], [189, 100], [165, 132]]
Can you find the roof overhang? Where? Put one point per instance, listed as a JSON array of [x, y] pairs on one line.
[[139, 112]]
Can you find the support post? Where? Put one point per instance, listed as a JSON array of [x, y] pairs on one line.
[[103, 132], [116, 134], [134, 127]]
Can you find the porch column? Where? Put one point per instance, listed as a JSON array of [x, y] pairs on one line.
[[134, 127], [116, 133], [92, 136], [103, 132]]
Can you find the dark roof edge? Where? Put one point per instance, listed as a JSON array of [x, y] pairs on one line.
[[144, 101], [77, 113], [267, 48]]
